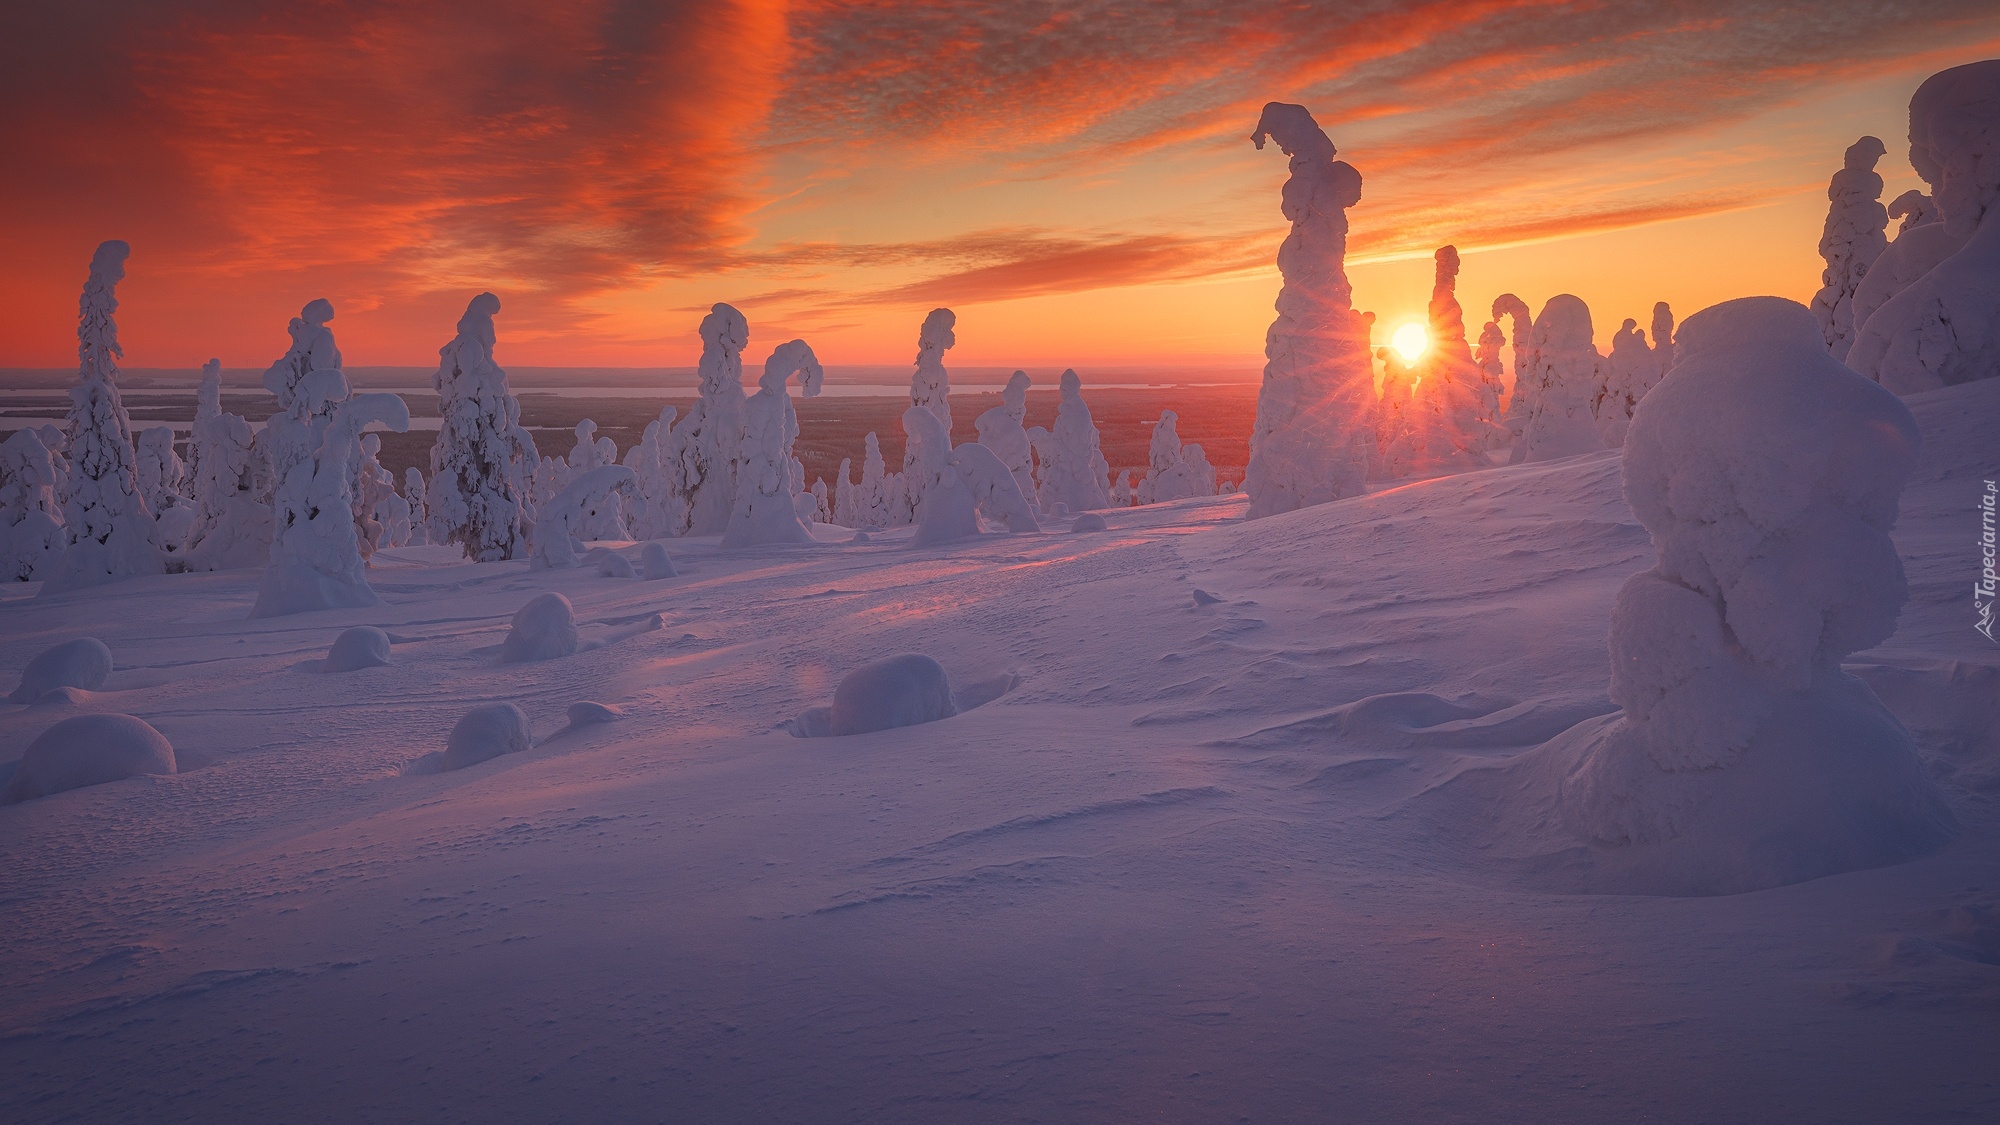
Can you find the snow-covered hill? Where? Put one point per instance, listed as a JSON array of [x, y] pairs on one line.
[[1190, 868]]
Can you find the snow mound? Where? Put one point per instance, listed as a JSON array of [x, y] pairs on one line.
[[901, 691], [862, 536], [486, 732], [1089, 521], [363, 646], [611, 564], [82, 663], [655, 563], [1768, 475], [544, 629], [88, 750], [588, 713]]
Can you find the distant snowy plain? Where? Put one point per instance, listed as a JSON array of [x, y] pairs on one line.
[[1177, 873]]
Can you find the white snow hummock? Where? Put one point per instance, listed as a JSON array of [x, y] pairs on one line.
[[1312, 441], [901, 691], [108, 530], [1943, 328], [1073, 470], [544, 629], [1768, 475], [766, 508], [88, 750], [484, 733], [363, 646], [655, 563], [581, 504], [1853, 238], [84, 663], [481, 461], [1562, 377]]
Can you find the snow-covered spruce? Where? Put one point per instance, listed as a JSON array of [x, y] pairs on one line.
[[108, 530], [481, 461], [1851, 240], [706, 443], [1521, 324], [766, 509], [1451, 421], [581, 504], [972, 480], [158, 470], [312, 349], [1174, 471], [1912, 209], [484, 733], [1768, 475], [1003, 430], [363, 646], [590, 452], [84, 664], [316, 559], [1633, 368], [1312, 441], [231, 529], [31, 531], [544, 629], [1562, 378], [413, 498], [88, 750], [1944, 327], [930, 388], [656, 511], [901, 691], [376, 505], [872, 503], [1074, 471]]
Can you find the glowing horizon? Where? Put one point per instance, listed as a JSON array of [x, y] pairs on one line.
[[1081, 191]]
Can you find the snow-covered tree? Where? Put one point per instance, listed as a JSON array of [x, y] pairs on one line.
[[1312, 441], [591, 452], [108, 529], [655, 511], [231, 529], [31, 532], [578, 505], [413, 496], [706, 442], [482, 459], [1521, 325], [1851, 240], [316, 557], [157, 469], [1074, 472], [1492, 380], [1563, 376], [1450, 425], [1174, 471], [973, 481], [1003, 430], [930, 388], [312, 350], [1768, 476], [871, 504], [376, 506], [1944, 328], [1914, 209], [767, 508]]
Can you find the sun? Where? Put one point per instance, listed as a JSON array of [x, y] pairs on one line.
[[1411, 341]]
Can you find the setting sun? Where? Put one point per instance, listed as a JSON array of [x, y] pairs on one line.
[[1411, 341]]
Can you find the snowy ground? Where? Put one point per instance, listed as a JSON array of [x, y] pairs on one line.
[[1169, 876]]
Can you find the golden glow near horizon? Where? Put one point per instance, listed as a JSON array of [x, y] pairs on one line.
[[1411, 341]]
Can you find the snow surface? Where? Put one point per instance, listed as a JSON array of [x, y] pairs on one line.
[[88, 750], [1181, 871]]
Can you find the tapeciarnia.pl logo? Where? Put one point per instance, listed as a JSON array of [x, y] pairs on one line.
[[1983, 588]]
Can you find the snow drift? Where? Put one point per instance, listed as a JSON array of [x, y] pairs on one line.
[[84, 663], [88, 750]]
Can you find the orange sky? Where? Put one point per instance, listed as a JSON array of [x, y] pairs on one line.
[[1075, 179]]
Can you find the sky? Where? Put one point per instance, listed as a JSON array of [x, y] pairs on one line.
[[1075, 180]]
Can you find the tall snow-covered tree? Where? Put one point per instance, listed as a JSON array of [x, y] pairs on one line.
[[707, 442], [930, 388], [231, 529], [108, 530], [1312, 441], [767, 508], [1562, 378], [482, 459], [1074, 472], [1851, 240], [1521, 325], [1003, 430]]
